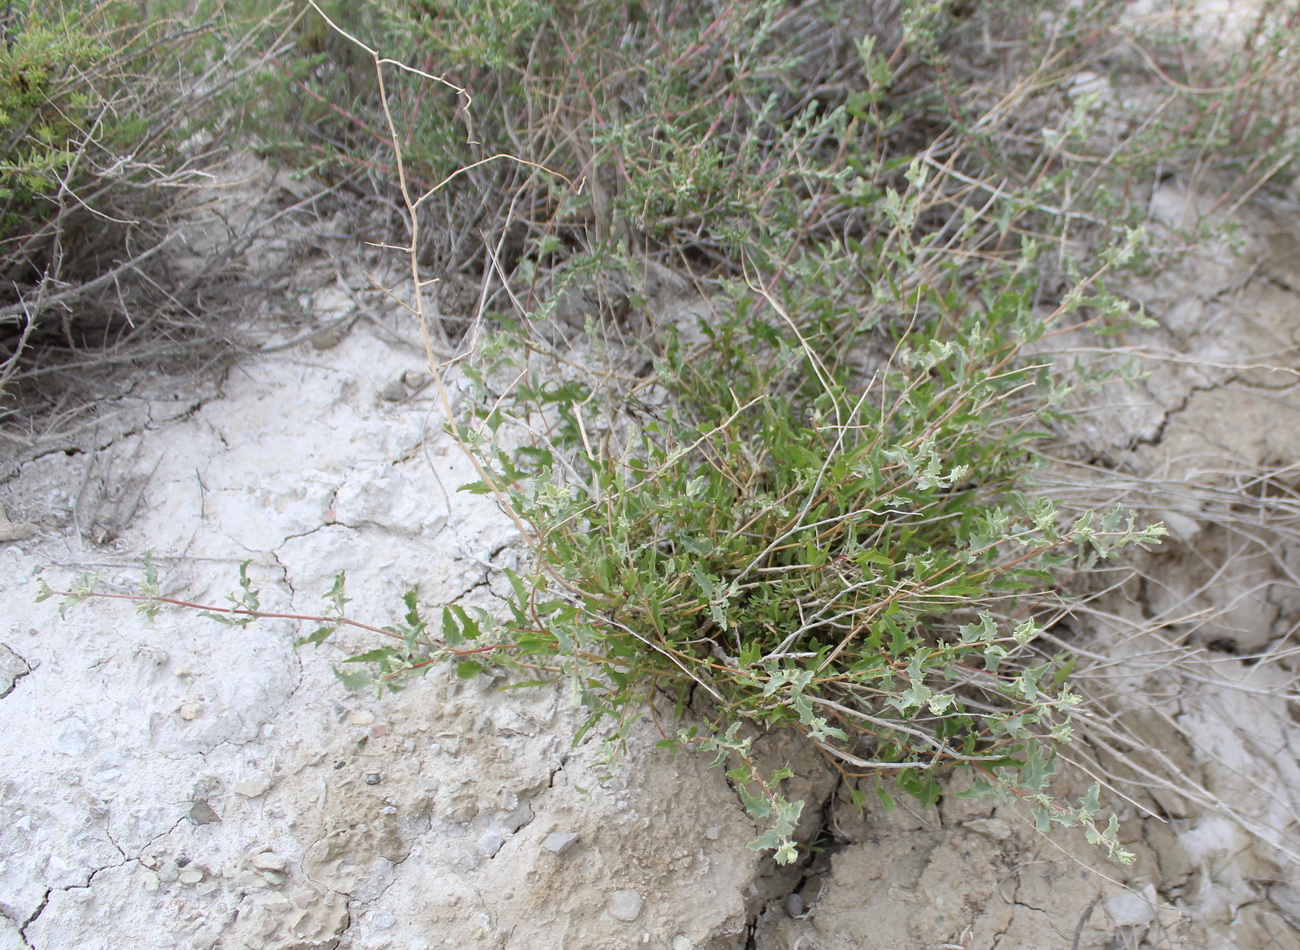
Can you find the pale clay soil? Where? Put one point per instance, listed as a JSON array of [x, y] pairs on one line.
[[183, 784]]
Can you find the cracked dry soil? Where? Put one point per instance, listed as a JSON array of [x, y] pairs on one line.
[[182, 784]]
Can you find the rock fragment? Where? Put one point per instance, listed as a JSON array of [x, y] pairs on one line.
[[1132, 908], [15, 530], [994, 828], [253, 787], [491, 842], [559, 842], [201, 813], [12, 668], [269, 861], [625, 905]]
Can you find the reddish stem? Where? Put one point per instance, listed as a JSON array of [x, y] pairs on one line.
[[273, 615]]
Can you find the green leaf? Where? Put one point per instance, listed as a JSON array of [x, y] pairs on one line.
[[372, 656], [337, 596], [468, 669], [230, 620], [856, 796], [353, 679], [885, 799], [1065, 670], [451, 634], [526, 684], [921, 785], [316, 638]]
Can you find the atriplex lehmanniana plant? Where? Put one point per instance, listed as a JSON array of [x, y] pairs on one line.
[[811, 509]]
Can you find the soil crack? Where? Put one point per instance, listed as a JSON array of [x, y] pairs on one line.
[[13, 667], [22, 930], [814, 862]]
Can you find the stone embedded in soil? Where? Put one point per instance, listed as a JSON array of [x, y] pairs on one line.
[[15, 530], [12, 668], [74, 739], [253, 787], [491, 842], [625, 905], [1132, 909], [560, 842], [269, 861], [203, 814], [995, 828]]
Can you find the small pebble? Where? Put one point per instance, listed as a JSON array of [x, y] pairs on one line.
[[994, 828], [372, 778], [362, 718], [277, 904], [190, 877], [74, 740], [269, 861], [560, 842], [1132, 908], [202, 814], [253, 787], [794, 905], [189, 711], [625, 905]]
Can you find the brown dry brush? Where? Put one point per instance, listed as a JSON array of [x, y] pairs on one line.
[[117, 247]]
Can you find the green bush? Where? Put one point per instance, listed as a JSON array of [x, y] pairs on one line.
[[780, 543]]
